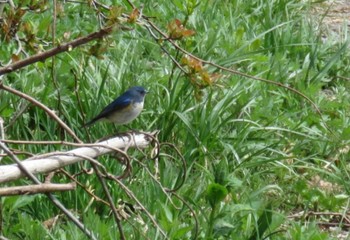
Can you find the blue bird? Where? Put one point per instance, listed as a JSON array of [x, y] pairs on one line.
[[124, 109]]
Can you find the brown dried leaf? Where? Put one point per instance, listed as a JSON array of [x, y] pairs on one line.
[[135, 14], [15, 58], [177, 31]]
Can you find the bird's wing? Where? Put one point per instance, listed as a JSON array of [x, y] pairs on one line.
[[117, 105]]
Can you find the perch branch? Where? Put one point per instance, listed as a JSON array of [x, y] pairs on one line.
[[51, 163]]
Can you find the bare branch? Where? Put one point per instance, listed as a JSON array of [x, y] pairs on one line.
[[51, 163], [42, 106], [34, 189], [56, 50]]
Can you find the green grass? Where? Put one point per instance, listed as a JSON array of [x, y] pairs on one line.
[[253, 150]]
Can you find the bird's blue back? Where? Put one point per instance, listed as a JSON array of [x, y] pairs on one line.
[[123, 101]]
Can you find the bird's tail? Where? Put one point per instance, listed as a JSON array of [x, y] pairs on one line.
[[90, 123]]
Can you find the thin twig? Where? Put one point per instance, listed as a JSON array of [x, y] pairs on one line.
[[154, 137], [22, 107], [167, 52], [131, 195], [184, 165], [193, 214], [110, 200], [97, 199], [343, 78], [164, 190]]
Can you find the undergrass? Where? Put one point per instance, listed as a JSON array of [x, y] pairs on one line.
[[264, 149]]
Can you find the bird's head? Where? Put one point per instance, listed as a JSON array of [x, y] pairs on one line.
[[138, 91]]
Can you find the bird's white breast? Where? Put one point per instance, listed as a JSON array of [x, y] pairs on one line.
[[126, 115]]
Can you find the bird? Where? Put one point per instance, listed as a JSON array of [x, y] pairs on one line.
[[124, 108]]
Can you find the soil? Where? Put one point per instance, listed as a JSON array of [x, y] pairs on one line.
[[334, 16]]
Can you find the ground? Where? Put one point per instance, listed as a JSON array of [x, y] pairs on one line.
[[335, 14]]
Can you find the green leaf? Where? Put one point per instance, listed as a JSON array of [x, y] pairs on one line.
[[222, 228], [346, 133], [263, 223], [7, 112], [23, 201], [216, 193], [180, 233]]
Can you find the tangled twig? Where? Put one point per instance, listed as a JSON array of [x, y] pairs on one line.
[[50, 195]]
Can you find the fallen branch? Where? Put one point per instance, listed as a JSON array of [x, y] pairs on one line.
[[34, 189], [42, 164]]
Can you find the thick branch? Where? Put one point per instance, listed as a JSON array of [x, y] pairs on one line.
[[52, 162], [34, 189], [54, 51]]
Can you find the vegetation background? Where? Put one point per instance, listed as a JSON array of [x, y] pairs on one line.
[[262, 163]]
